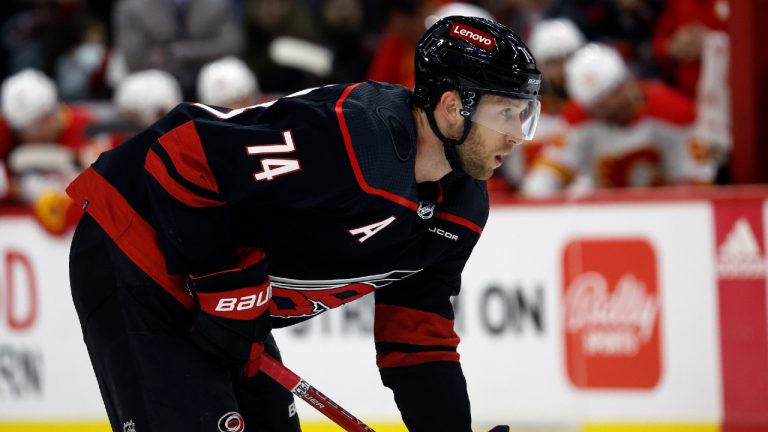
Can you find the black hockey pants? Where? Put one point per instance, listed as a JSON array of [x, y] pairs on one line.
[[149, 373]]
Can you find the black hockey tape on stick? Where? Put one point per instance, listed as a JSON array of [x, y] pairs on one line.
[[286, 378]]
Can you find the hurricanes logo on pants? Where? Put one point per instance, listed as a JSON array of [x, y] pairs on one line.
[[231, 422]]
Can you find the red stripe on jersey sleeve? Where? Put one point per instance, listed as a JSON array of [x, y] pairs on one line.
[[130, 232], [395, 359], [459, 220], [155, 167], [353, 157], [411, 326], [185, 149]]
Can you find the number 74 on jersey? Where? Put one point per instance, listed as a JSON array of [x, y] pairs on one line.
[[274, 167], [270, 167]]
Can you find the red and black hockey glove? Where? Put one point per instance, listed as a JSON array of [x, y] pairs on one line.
[[232, 317]]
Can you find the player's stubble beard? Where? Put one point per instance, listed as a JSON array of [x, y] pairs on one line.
[[474, 156]]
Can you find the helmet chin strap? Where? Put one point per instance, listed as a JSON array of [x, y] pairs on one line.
[[450, 145]]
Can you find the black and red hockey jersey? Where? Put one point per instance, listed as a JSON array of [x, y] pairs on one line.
[[322, 180]]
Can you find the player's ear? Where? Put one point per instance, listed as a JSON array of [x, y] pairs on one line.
[[448, 107]]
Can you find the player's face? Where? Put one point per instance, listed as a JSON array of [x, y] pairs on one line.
[[497, 126]]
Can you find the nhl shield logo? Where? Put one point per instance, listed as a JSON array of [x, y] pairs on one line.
[[426, 210], [129, 426]]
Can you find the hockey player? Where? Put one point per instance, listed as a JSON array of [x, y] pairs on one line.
[[40, 152], [212, 227], [623, 132]]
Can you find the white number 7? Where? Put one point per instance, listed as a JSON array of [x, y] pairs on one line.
[[275, 167]]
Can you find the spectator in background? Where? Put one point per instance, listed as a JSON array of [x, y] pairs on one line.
[[229, 83], [624, 24], [80, 71], [140, 99], [283, 46], [552, 42], [520, 15], [34, 34], [178, 36], [404, 25], [346, 32], [47, 135], [634, 38], [623, 132], [679, 39], [103, 11], [597, 19]]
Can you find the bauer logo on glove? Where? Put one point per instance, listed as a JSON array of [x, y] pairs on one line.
[[242, 304]]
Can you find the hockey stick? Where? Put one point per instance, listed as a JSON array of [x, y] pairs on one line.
[[286, 378]]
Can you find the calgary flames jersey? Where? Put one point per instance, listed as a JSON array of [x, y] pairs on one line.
[[658, 147], [551, 131], [322, 180]]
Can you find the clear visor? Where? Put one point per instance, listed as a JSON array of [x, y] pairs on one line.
[[517, 118]]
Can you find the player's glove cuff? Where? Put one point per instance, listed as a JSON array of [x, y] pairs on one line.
[[232, 317]]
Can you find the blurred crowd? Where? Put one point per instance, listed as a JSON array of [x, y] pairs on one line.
[[634, 94]]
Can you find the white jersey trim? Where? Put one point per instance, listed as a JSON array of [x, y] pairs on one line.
[[376, 281]]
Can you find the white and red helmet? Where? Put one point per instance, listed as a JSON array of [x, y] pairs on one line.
[[148, 94], [457, 8], [555, 38], [225, 81], [593, 72], [27, 96]]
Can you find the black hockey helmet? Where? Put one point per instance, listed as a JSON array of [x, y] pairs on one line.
[[474, 56]]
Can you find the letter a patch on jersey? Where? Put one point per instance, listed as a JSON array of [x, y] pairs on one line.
[[370, 230]]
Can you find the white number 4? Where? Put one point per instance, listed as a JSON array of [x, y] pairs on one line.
[[275, 167]]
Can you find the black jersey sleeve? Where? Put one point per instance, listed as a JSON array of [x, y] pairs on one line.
[[203, 172], [416, 347]]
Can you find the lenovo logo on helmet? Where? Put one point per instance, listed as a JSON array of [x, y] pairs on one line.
[[473, 36]]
